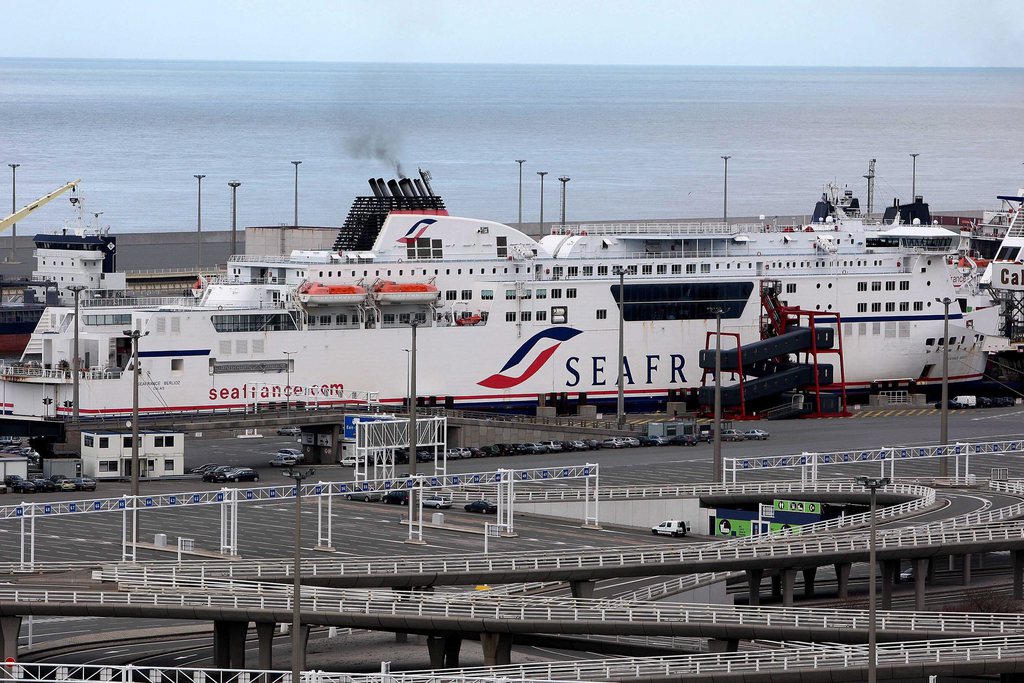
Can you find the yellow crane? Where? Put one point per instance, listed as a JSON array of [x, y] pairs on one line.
[[42, 201]]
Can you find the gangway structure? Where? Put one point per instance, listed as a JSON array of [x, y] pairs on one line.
[[765, 368]]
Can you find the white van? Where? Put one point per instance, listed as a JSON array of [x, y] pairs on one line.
[[671, 527], [287, 457], [965, 401]]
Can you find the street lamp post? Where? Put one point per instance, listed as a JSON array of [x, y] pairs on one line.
[[199, 221], [288, 381], [913, 178], [76, 290], [413, 446], [944, 410], [296, 218], [717, 436], [408, 376], [873, 484], [234, 215], [14, 207], [520, 162], [542, 174], [725, 193], [298, 647], [620, 403], [563, 179], [134, 335]]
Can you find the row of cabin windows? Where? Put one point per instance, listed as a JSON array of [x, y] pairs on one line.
[[890, 286], [403, 318], [889, 329], [328, 320], [111, 465], [932, 341], [890, 306], [559, 316], [412, 272]]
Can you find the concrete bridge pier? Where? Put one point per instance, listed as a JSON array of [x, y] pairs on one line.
[[444, 651], [788, 585], [920, 577], [776, 586], [843, 579], [265, 639], [754, 577], [931, 571], [890, 569], [966, 577], [497, 648], [229, 644], [1018, 574], [809, 573], [582, 589], [10, 627]]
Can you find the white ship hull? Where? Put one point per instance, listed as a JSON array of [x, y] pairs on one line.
[[246, 343]]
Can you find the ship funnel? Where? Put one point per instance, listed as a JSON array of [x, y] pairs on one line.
[[419, 187], [396, 191], [373, 186], [407, 187], [382, 186]]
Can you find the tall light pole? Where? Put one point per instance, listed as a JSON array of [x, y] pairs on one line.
[[288, 381], [542, 174], [234, 215], [76, 290], [520, 162], [199, 221], [408, 376], [725, 190], [14, 207], [563, 179], [413, 446], [134, 335], [913, 178], [296, 218], [298, 647], [717, 436], [944, 411], [873, 484], [620, 403]]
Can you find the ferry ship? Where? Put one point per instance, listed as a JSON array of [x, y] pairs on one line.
[[504, 320], [79, 254]]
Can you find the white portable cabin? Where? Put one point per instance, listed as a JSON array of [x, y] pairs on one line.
[[108, 454]]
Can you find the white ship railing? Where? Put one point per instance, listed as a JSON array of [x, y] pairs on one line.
[[12, 371], [139, 302]]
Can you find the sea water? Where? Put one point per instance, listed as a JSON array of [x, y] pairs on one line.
[[636, 142]]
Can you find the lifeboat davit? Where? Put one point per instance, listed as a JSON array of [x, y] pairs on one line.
[[388, 292], [319, 294]]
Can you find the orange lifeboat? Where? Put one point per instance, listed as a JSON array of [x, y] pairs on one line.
[[389, 292], [469, 320], [318, 294]]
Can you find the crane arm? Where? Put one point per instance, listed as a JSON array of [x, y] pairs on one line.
[[28, 209]]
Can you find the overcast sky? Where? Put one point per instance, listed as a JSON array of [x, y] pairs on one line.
[[957, 33]]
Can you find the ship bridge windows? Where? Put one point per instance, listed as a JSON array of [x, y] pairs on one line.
[[254, 322], [691, 268], [602, 270], [705, 267], [115, 319], [683, 301], [588, 271], [501, 246], [573, 271]]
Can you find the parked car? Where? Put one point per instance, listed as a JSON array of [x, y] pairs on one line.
[[684, 440], [215, 473], [655, 440], [756, 435], [15, 484], [287, 457], [631, 442], [438, 501], [615, 442], [732, 435], [475, 452], [364, 496], [396, 497], [580, 445], [10, 440], [289, 431], [671, 527], [482, 506], [551, 446], [459, 453], [84, 483], [594, 444], [239, 474], [44, 485], [203, 469], [66, 485]]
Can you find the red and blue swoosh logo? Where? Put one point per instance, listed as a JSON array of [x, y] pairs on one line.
[[525, 355], [417, 230]]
